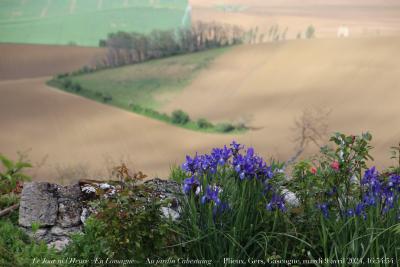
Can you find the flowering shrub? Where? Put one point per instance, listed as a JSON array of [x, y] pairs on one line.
[[358, 207], [333, 206]]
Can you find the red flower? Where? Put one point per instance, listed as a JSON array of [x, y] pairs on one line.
[[313, 170], [335, 165]]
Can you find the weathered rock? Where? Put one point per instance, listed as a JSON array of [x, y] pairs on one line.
[[69, 192], [169, 213], [38, 204], [61, 211], [59, 231], [40, 234], [166, 191], [59, 244], [69, 206], [55, 208], [69, 213]]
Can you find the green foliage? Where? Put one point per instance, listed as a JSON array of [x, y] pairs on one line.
[[93, 243], [12, 174], [67, 83], [17, 249], [62, 75], [128, 221], [7, 200], [334, 179], [137, 47], [204, 123], [225, 127], [107, 98], [77, 87], [180, 117]]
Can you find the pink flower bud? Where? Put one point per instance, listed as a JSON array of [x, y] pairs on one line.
[[335, 165], [313, 170]]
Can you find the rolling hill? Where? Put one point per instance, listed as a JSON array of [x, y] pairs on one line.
[[267, 85]]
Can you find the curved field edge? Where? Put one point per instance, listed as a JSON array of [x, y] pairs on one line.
[[146, 87]]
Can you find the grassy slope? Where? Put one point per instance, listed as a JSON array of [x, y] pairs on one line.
[[146, 87], [86, 22], [142, 84]]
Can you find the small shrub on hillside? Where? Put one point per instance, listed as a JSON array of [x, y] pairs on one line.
[[225, 127], [180, 117], [204, 124], [62, 75], [102, 43], [77, 87], [107, 98], [98, 94], [67, 83]]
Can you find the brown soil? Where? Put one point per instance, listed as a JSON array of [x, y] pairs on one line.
[[269, 85], [27, 61], [69, 132]]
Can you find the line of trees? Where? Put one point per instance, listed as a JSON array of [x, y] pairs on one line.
[[129, 48]]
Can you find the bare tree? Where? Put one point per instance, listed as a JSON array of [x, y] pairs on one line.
[[310, 128]]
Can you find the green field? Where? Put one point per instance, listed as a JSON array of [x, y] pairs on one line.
[[148, 84], [85, 22], [144, 88]]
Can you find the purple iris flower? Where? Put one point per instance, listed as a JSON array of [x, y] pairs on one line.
[[221, 155], [212, 194], [350, 213], [277, 203], [190, 184], [394, 182], [191, 164], [251, 166], [324, 209], [360, 210], [371, 181], [235, 147]]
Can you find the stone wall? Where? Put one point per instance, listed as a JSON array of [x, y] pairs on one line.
[[60, 211], [54, 208]]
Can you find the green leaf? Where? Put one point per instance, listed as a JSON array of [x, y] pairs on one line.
[[7, 162], [21, 165]]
